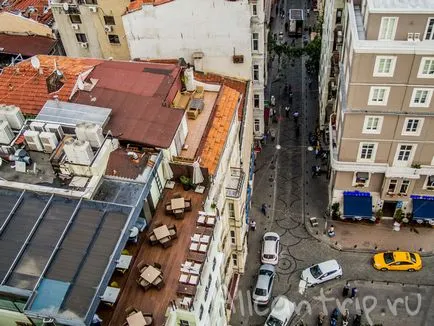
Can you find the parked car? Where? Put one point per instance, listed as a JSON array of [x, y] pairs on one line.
[[270, 248], [397, 261], [264, 284], [322, 272], [281, 313]]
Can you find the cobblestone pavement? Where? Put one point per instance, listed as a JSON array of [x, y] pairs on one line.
[[283, 182]]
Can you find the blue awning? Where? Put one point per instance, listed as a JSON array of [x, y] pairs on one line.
[[357, 206], [423, 209]]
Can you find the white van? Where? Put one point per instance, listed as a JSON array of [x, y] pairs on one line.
[[281, 313]]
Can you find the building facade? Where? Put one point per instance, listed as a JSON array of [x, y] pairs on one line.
[[91, 28], [381, 137], [232, 47]]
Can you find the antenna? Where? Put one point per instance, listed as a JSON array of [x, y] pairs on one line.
[[65, 6], [35, 62]]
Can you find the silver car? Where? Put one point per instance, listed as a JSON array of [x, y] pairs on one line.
[[264, 284], [322, 272]]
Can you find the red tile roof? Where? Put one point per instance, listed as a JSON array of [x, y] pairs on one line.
[[139, 94], [219, 131], [237, 84], [25, 87], [27, 45], [39, 15], [137, 4]]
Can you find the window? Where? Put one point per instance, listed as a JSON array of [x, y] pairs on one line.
[[361, 179], [91, 2], [372, 124], [404, 154], [429, 33], [113, 39], [367, 152], [214, 263], [233, 237], [404, 186], [75, 19], [235, 259], [426, 68], [421, 97], [378, 95], [388, 28], [201, 312], [256, 100], [231, 209], [109, 20], [254, 9], [256, 72], [384, 66], [429, 183], [412, 127], [255, 41], [208, 286], [338, 16], [81, 38], [392, 186], [257, 125]]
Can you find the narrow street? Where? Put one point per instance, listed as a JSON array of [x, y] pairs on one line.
[[283, 181]]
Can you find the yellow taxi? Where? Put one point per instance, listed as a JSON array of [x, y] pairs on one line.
[[397, 261]]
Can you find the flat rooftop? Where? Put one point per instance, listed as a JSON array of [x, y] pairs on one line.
[[60, 250], [401, 5]]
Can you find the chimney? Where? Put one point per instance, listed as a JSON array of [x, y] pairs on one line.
[[56, 98]]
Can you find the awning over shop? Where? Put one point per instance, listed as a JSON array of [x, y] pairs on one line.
[[423, 209], [357, 205]]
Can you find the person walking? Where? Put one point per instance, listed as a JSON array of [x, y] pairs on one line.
[[264, 209], [353, 292], [346, 290], [295, 116], [253, 225], [287, 110]]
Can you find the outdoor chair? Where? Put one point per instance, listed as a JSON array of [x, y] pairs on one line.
[[159, 283], [131, 311], [152, 239], [176, 195], [141, 265], [187, 204], [157, 266], [143, 284], [168, 209], [173, 234]]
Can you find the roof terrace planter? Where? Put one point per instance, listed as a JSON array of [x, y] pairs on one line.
[[186, 182]]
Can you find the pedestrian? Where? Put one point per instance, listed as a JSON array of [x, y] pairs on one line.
[[296, 115], [331, 231], [253, 225], [354, 292], [346, 290], [273, 134], [264, 209], [287, 111]]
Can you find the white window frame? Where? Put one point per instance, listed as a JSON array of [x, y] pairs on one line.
[[418, 130], [431, 36], [257, 125], [426, 186], [357, 184], [394, 189], [384, 21], [408, 162], [385, 97], [255, 41], [367, 126], [420, 73], [401, 184], [257, 97], [427, 101], [374, 152], [256, 69], [377, 66], [254, 9]]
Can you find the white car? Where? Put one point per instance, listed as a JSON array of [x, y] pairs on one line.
[[281, 313], [322, 272], [270, 248], [264, 285]]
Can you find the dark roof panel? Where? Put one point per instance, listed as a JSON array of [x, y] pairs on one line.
[[26, 45]]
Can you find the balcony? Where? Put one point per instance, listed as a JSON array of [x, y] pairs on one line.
[[234, 185]]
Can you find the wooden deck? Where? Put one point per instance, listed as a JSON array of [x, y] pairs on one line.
[[153, 300]]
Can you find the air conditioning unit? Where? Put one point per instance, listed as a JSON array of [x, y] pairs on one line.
[[83, 45], [93, 9], [49, 141], [33, 141], [6, 134], [37, 126], [409, 36], [13, 115], [56, 129], [75, 26], [238, 58], [108, 28], [417, 36]]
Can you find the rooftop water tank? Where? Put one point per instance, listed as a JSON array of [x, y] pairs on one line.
[[80, 131], [94, 135], [83, 152]]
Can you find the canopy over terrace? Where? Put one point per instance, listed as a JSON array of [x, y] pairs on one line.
[[59, 252]]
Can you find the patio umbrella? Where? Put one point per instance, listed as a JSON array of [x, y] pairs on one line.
[[167, 170], [197, 174]]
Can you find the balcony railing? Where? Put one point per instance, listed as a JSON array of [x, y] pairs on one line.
[[234, 185]]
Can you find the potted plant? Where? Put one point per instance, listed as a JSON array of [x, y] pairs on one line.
[[378, 215], [335, 211], [398, 215], [186, 182]]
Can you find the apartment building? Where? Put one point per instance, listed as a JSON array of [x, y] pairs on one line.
[[196, 31], [381, 134], [91, 28]]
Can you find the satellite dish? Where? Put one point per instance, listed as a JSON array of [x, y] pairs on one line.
[[80, 84], [35, 62], [65, 6]]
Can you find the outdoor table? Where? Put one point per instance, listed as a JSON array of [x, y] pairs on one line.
[[110, 294], [161, 232], [177, 203], [150, 274], [124, 262], [136, 320]]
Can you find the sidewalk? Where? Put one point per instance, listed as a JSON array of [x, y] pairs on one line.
[[353, 236]]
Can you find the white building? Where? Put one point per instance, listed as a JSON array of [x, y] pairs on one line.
[[225, 37]]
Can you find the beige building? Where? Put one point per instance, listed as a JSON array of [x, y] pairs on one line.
[[382, 131], [91, 28]]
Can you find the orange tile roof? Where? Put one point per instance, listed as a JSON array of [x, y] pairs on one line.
[[137, 4], [216, 138], [23, 86], [39, 15]]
